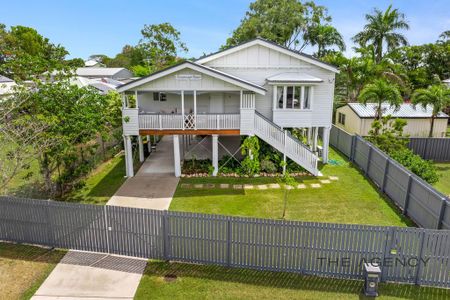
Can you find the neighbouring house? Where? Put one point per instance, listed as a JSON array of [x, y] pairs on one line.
[[98, 72], [256, 88], [103, 85], [92, 63], [357, 118], [6, 86]]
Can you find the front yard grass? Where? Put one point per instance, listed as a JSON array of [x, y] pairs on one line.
[[351, 199], [101, 183], [24, 268], [443, 185], [214, 282]]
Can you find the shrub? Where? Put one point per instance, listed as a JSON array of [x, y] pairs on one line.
[[193, 166], [422, 168], [268, 166]]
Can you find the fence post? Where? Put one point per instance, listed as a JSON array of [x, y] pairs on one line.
[[408, 190], [50, 238], [105, 214], [229, 238], [166, 237], [352, 149], [419, 259], [369, 158], [441, 213], [386, 170]]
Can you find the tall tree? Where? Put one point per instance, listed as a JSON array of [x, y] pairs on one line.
[[26, 54], [325, 36], [160, 45], [379, 92], [437, 96], [286, 22], [445, 36], [382, 29]]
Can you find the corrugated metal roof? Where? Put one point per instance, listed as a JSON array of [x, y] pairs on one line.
[[405, 110], [294, 77], [93, 71]]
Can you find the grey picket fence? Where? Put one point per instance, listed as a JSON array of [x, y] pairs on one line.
[[407, 255], [426, 206], [437, 149]]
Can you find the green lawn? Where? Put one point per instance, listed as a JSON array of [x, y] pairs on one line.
[[24, 268], [101, 183], [443, 185], [351, 199], [213, 282]]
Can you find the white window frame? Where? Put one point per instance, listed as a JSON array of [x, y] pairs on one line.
[[302, 99]]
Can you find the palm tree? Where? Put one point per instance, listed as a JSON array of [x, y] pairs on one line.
[[381, 28], [326, 36], [436, 95], [445, 36], [379, 92]]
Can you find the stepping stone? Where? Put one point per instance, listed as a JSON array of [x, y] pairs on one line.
[[210, 185], [198, 185], [248, 186], [301, 186], [324, 181], [237, 186], [274, 186], [185, 185], [333, 177], [315, 185], [288, 187], [224, 186], [262, 187]]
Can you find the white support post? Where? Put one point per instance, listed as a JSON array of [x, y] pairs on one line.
[[182, 108], [124, 100], [241, 94], [195, 110], [326, 144], [215, 154], [176, 155], [316, 136], [284, 97], [137, 99], [149, 144], [129, 156], [141, 149], [274, 97], [309, 136], [125, 150], [284, 152]]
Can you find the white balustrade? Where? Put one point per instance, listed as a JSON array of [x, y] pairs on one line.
[[201, 121]]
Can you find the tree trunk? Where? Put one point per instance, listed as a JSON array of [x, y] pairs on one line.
[[432, 126]]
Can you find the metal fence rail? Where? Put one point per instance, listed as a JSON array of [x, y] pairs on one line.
[[409, 255], [427, 207], [437, 149]]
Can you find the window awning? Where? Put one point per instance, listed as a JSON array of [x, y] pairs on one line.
[[291, 77]]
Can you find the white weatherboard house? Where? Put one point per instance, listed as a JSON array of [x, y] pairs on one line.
[[256, 88]]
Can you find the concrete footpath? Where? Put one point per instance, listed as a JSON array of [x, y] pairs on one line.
[[154, 184], [87, 275]]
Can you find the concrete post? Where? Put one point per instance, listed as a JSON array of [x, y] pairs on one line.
[[141, 149], [284, 152], [129, 156], [316, 136], [149, 144], [176, 155], [326, 144], [125, 150], [215, 154]]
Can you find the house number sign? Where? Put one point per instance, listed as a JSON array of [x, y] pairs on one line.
[[188, 77]]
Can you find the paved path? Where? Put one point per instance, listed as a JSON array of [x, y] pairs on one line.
[[86, 275], [154, 184]]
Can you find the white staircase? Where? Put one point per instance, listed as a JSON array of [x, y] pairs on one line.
[[286, 143]]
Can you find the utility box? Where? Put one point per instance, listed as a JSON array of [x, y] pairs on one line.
[[372, 277]]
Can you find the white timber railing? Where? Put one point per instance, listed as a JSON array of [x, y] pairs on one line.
[[190, 121], [284, 142]]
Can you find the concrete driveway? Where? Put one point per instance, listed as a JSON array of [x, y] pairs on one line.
[[154, 184], [86, 275]]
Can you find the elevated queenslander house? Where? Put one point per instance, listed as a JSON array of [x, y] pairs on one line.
[[256, 88]]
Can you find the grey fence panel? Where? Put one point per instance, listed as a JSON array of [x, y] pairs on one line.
[[437, 149], [434, 263], [425, 204], [377, 166], [341, 140], [135, 232], [396, 184], [361, 153], [77, 226], [197, 238], [446, 216]]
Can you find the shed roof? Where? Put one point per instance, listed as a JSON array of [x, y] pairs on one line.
[[293, 77], [406, 110]]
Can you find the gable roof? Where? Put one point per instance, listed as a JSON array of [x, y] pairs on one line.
[[196, 67], [259, 41], [406, 110], [95, 71]]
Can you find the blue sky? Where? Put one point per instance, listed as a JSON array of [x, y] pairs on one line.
[[88, 27]]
